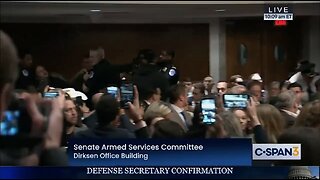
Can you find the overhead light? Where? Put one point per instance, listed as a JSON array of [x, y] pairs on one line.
[[220, 10], [95, 10]]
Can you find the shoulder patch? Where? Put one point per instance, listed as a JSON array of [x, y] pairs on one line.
[[172, 72], [25, 72]]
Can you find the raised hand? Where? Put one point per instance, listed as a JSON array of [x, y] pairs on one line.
[[252, 112]]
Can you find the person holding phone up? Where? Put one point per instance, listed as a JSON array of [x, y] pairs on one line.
[[108, 113], [45, 152], [226, 124]]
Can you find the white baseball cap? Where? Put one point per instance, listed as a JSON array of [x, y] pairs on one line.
[[256, 76], [73, 93]]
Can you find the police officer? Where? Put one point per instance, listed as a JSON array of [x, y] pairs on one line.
[[305, 76], [166, 67], [103, 74], [26, 79], [147, 76]]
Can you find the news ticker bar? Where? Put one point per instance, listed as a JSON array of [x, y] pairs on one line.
[[160, 152], [168, 172], [176, 152]]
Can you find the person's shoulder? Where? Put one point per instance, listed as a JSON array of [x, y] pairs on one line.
[[124, 133], [106, 132], [315, 96], [173, 71], [169, 106], [82, 128], [315, 78], [100, 65], [84, 133], [286, 116]]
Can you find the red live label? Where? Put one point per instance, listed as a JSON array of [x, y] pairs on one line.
[[280, 22]]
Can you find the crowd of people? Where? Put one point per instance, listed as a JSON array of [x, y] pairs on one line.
[[164, 106]]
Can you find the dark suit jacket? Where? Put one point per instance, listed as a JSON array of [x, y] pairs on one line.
[[177, 118], [144, 105], [148, 77], [91, 121], [288, 119], [142, 133], [110, 132], [105, 74], [107, 132], [27, 79]]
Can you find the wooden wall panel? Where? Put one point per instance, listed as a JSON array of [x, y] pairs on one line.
[[261, 37], [60, 47], [249, 38]]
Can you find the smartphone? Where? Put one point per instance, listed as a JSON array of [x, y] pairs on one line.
[[9, 124], [113, 91], [50, 95], [126, 93], [208, 110], [16, 120], [235, 101], [15, 127]]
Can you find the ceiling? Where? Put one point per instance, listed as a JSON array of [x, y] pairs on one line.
[[139, 11]]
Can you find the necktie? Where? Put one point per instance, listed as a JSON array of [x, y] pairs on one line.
[[184, 119], [309, 90]]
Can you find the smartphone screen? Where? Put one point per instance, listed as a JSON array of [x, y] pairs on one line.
[[208, 110], [50, 95], [126, 91], [235, 100], [9, 125], [15, 127], [113, 91]]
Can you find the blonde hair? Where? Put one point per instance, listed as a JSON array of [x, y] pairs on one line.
[[231, 124], [309, 115], [156, 109], [271, 120]]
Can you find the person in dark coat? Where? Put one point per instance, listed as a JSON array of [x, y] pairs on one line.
[[103, 74], [108, 121], [147, 77], [26, 78], [165, 63], [44, 79], [81, 76]]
